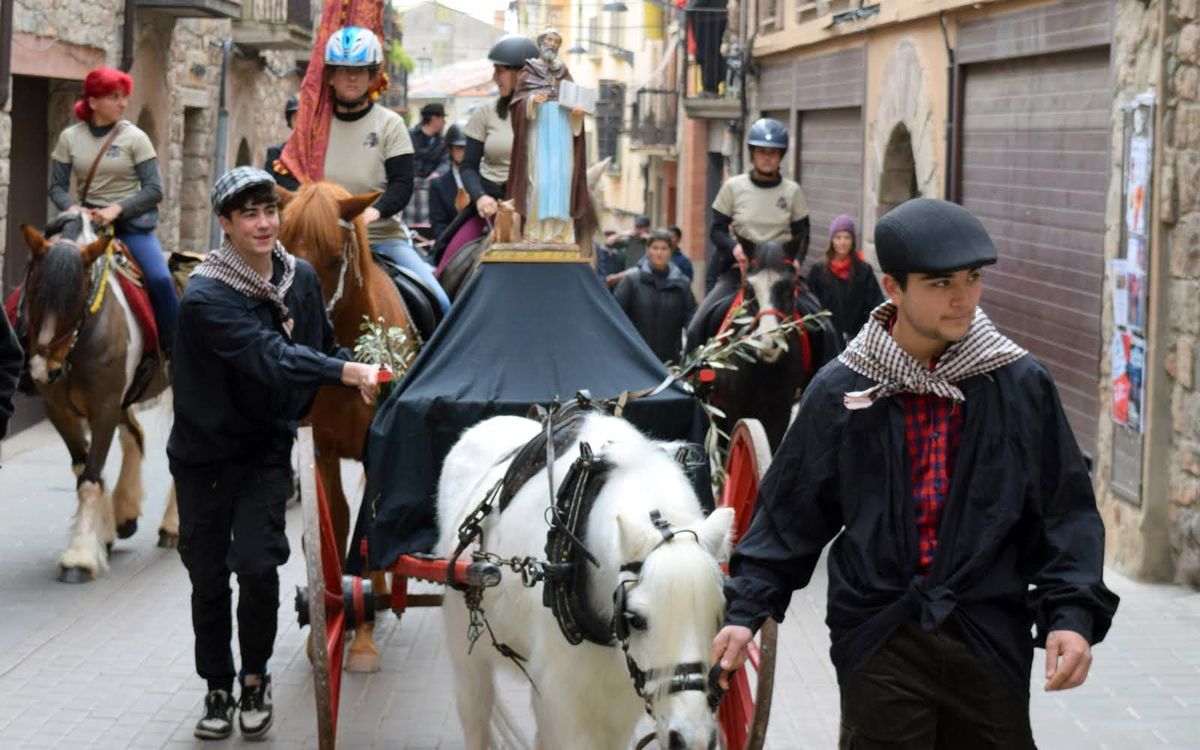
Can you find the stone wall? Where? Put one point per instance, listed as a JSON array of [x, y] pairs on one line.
[[89, 23]]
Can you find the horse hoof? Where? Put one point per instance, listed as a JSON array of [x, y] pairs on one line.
[[74, 575], [167, 540], [362, 662], [127, 529]]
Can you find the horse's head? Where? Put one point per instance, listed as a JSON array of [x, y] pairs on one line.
[[771, 296], [667, 609], [322, 223], [56, 290]]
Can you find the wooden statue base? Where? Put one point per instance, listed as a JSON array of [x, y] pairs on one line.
[[535, 252]]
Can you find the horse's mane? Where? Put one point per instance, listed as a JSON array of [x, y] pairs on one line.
[[59, 278], [314, 215]]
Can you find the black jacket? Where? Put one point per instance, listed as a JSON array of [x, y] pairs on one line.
[[660, 305], [851, 301], [287, 181], [240, 384], [442, 192], [430, 153], [12, 358], [1020, 512]]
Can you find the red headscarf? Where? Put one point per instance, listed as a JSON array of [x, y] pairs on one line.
[[101, 82]]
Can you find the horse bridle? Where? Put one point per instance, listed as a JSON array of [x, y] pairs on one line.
[[765, 311], [71, 338], [349, 258], [679, 678]]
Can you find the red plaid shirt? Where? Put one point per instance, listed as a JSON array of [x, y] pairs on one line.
[[932, 428]]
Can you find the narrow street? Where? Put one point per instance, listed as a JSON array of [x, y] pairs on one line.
[[109, 664]]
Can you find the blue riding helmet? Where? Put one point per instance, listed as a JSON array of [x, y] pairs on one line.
[[353, 47], [768, 133]]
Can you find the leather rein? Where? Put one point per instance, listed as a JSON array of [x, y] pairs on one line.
[[349, 258]]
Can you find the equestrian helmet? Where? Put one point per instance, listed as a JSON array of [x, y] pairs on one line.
[[512, 51], [235, 181], [931, 236], [456, 135], [768, 133], [353, 47]]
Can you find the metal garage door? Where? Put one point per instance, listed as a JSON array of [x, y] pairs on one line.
[[1035, 153], [830, 159]]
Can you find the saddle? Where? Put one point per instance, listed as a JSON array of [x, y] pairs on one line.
[[424, 312]]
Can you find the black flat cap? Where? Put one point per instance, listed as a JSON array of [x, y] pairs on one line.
[[925, 235], [433, 110], [641, 220]]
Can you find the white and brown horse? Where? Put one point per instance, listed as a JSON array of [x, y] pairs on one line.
[[84, 349]]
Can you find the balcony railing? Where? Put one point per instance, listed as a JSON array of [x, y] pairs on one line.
[[275, 24], [194, 8], [655, 116]]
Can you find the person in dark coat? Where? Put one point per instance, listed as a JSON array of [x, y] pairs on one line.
[[677, 256], [254, 343], [845, 283], [447, 195], [658, 298], [282, 177], [12, 359], [937, 452]]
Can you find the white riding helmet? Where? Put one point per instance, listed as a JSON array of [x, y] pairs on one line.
[[353, 47]]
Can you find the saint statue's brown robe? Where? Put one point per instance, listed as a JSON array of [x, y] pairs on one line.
[[538, 78]]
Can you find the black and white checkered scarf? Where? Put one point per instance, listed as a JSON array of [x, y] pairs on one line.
[[875, 354], [225, 265]]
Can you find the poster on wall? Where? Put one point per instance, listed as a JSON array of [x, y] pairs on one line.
[[1137, 179], [1118, 273], [1128, 369]]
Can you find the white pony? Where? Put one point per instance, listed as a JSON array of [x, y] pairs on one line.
[[584, 696]]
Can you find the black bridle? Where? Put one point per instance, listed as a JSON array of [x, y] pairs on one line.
[[678, 678]]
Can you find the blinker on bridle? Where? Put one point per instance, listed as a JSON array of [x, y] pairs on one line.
[[679, 678]]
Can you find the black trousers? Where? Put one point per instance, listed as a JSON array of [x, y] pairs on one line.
[[928, 691], [231, 520]]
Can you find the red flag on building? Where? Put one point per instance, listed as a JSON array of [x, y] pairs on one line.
[[304, 154]]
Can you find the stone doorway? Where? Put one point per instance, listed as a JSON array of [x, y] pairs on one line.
[[898, 179], [194, 211]]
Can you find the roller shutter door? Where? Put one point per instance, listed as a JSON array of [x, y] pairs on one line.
[[1035, 153], [831, 173]]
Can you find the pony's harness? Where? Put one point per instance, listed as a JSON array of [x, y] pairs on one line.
[[349, 258], [564, 573]]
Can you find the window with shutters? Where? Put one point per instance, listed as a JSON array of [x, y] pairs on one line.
[[610, 115]]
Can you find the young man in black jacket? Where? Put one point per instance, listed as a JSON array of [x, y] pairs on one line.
[[657, 298], [253, 345], [937, 453]]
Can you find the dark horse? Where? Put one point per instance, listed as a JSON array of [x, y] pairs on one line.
[[765, 389], [84, 350]]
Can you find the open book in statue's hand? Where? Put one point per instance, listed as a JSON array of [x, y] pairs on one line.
[[573, 96]]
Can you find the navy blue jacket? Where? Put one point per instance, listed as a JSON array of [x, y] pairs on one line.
[[240, 384], [442, 192]]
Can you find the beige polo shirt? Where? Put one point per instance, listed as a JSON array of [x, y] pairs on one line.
[[761, 214], [355, 156], [116, 175], [496, 135]]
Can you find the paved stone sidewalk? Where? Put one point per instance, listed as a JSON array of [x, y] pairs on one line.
[[109, 664]]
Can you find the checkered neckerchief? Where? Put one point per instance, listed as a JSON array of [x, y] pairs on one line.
[[874, 354], [225, 265]]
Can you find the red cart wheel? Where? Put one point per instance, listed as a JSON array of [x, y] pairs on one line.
[[744, 712], [325, 608]]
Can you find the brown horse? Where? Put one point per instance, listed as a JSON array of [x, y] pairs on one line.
[[85, 347], [322, 224]]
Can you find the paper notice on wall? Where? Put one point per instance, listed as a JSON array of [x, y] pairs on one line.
[[1128, 376], [572, 95], [1136, 184], [1120, 295]]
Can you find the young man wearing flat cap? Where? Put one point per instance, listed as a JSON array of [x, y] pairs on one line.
[[937, 453], [253, 345]]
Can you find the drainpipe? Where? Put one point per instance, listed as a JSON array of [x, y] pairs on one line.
[[214, 228], [127, 35], [949, 193], [6, 32]]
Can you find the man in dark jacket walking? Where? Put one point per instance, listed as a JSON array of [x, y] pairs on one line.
[[253, 345], [937, 452], [657, 298]]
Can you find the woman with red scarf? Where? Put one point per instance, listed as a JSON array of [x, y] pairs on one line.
[[845, 283]]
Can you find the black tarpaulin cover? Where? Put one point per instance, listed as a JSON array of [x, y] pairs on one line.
[[519, 334]]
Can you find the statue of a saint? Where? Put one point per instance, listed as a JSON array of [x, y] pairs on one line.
[[547, 179]]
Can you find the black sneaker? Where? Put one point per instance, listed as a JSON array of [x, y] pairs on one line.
[[255, 714], [217, 723]]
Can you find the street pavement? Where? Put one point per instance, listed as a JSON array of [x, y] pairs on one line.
[[109, 664]]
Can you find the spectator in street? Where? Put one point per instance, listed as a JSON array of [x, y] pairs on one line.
[[845, 283], [254, 345], [633, 244], [12, 359], [429, 149], [283, 178], [937, 452], [447, 195], [610, 262], [677, 256], [658, 298]]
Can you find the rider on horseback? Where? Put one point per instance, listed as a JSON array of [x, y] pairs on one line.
[[750, 209], [114, 164]]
